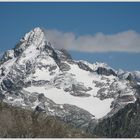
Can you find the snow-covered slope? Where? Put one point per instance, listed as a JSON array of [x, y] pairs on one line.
[[35, 75]]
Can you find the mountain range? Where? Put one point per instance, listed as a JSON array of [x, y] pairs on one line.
[[37, 76]]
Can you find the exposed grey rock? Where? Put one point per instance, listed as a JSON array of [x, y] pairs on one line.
[[64, 67], [41, 98], [7, 84], [79, 90], [130, 77], [7, 55], [32, 98], [52, 68], [104, 71], [2, 96], [40, 83], [124, 124], [126, 98], [84, 67], [65, 55], [40, 108], [98, 84], [3, 71]]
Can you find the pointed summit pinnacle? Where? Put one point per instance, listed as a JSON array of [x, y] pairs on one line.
[[34, 37]]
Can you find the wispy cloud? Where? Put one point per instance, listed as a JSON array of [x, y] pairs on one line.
[[127, 41]]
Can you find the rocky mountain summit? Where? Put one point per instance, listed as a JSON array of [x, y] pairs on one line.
[[37, 76]]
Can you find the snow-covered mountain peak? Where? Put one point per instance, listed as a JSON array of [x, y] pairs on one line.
[[35, 39], [68, 88], [35, 36]]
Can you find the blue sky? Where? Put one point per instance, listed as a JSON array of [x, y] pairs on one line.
[[81, 19]]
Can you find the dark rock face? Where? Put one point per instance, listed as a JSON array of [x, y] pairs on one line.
[[124, 124], [39, 108], [40, 83], [3, 71], [18, 51], [104, 71], [130, 77], [64, 67], [84, 67], [137, 87], [8, 84], [41, 98], [65, 55], [126, 98], [2, 96], [79, 90], [7, 56], [32, 98], [49, 50]]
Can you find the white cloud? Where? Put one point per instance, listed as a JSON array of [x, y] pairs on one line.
[[127, 41]]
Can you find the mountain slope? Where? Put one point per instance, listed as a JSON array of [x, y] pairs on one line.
[[1, 54], [20, 123], [36, 76], [124, 124]]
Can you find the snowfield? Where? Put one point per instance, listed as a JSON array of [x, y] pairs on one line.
[[98, 108]]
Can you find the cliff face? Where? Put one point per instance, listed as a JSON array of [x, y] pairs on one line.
[[124, 124]]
